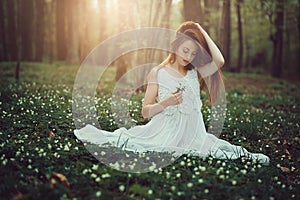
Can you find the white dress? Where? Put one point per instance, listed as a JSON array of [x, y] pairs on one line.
[[179, 129]]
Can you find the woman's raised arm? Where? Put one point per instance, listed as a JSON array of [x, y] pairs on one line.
[[217, 57]]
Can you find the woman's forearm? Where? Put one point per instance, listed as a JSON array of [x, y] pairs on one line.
[[153, 109], [216, 54]]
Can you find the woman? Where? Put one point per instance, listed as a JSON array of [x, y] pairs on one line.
[[172, 101]]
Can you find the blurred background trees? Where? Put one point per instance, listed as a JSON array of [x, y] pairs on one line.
[[254, 35]]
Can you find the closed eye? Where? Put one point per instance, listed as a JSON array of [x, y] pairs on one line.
[[187, 50]]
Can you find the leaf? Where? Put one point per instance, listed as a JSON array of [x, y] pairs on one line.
[[51, 135], [58, 178], [140, 190], [17, 196], [285, 169], [288, 153]]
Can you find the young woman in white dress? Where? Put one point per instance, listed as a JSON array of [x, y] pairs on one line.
[[172, 102]]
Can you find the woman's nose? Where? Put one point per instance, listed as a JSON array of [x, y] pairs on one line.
[[189, 56]]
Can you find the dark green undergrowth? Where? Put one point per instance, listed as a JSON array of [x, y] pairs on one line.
[[42, 159]]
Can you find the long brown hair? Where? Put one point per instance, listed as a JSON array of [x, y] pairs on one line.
[[189, 29]]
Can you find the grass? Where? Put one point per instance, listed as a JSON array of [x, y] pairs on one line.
[[41, 158]]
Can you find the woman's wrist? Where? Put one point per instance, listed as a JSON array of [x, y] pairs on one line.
[[164, 104]]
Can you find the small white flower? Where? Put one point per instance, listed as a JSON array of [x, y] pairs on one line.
[[98, 194], [150, 192], [189, 185], [202, 168], [98, 179], [259, 180], [85, 171], [222, 177], [95, 167], [122, 188], [167, 175], [233, 182], [66, 148], [105, 175]]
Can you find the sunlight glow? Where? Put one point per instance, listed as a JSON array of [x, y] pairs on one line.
[[94, 3]]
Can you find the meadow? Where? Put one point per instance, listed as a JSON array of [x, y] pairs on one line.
[[42, 159]]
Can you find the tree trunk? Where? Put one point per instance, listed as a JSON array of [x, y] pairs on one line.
[[247, 43], [26, 29], [39, 30], [83, 30], [193, 11], [61, 47], [212, 17], [298, 51], [226, 31], [72, 18], [125, 22], [103, 18], [12, 37], [3, 46], [207, 14], [278, 40], [166, 16], [240, 34], [50, 31]]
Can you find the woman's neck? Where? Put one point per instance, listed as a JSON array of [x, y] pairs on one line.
[[178, 68]]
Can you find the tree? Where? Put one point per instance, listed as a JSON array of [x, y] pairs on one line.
[[3, 46], [39, 30], [61, 47], [12, 37], [83, 35], [226, 31], [212, 18], [193, 11], [73, 35], [103, 18], [26, 24], [49, 39], [125, 22], [240, 34], [166, 14], [277, 39]]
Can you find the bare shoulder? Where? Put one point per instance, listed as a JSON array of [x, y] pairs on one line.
[[152, 76]]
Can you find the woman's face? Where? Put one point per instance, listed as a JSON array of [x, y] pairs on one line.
[[186, 52]]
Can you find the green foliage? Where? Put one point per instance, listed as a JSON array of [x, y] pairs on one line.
[[37, 106]]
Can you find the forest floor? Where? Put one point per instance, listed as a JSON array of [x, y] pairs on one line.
[[42, 159]]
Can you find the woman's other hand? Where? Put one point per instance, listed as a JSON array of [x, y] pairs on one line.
[[174, 98]]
